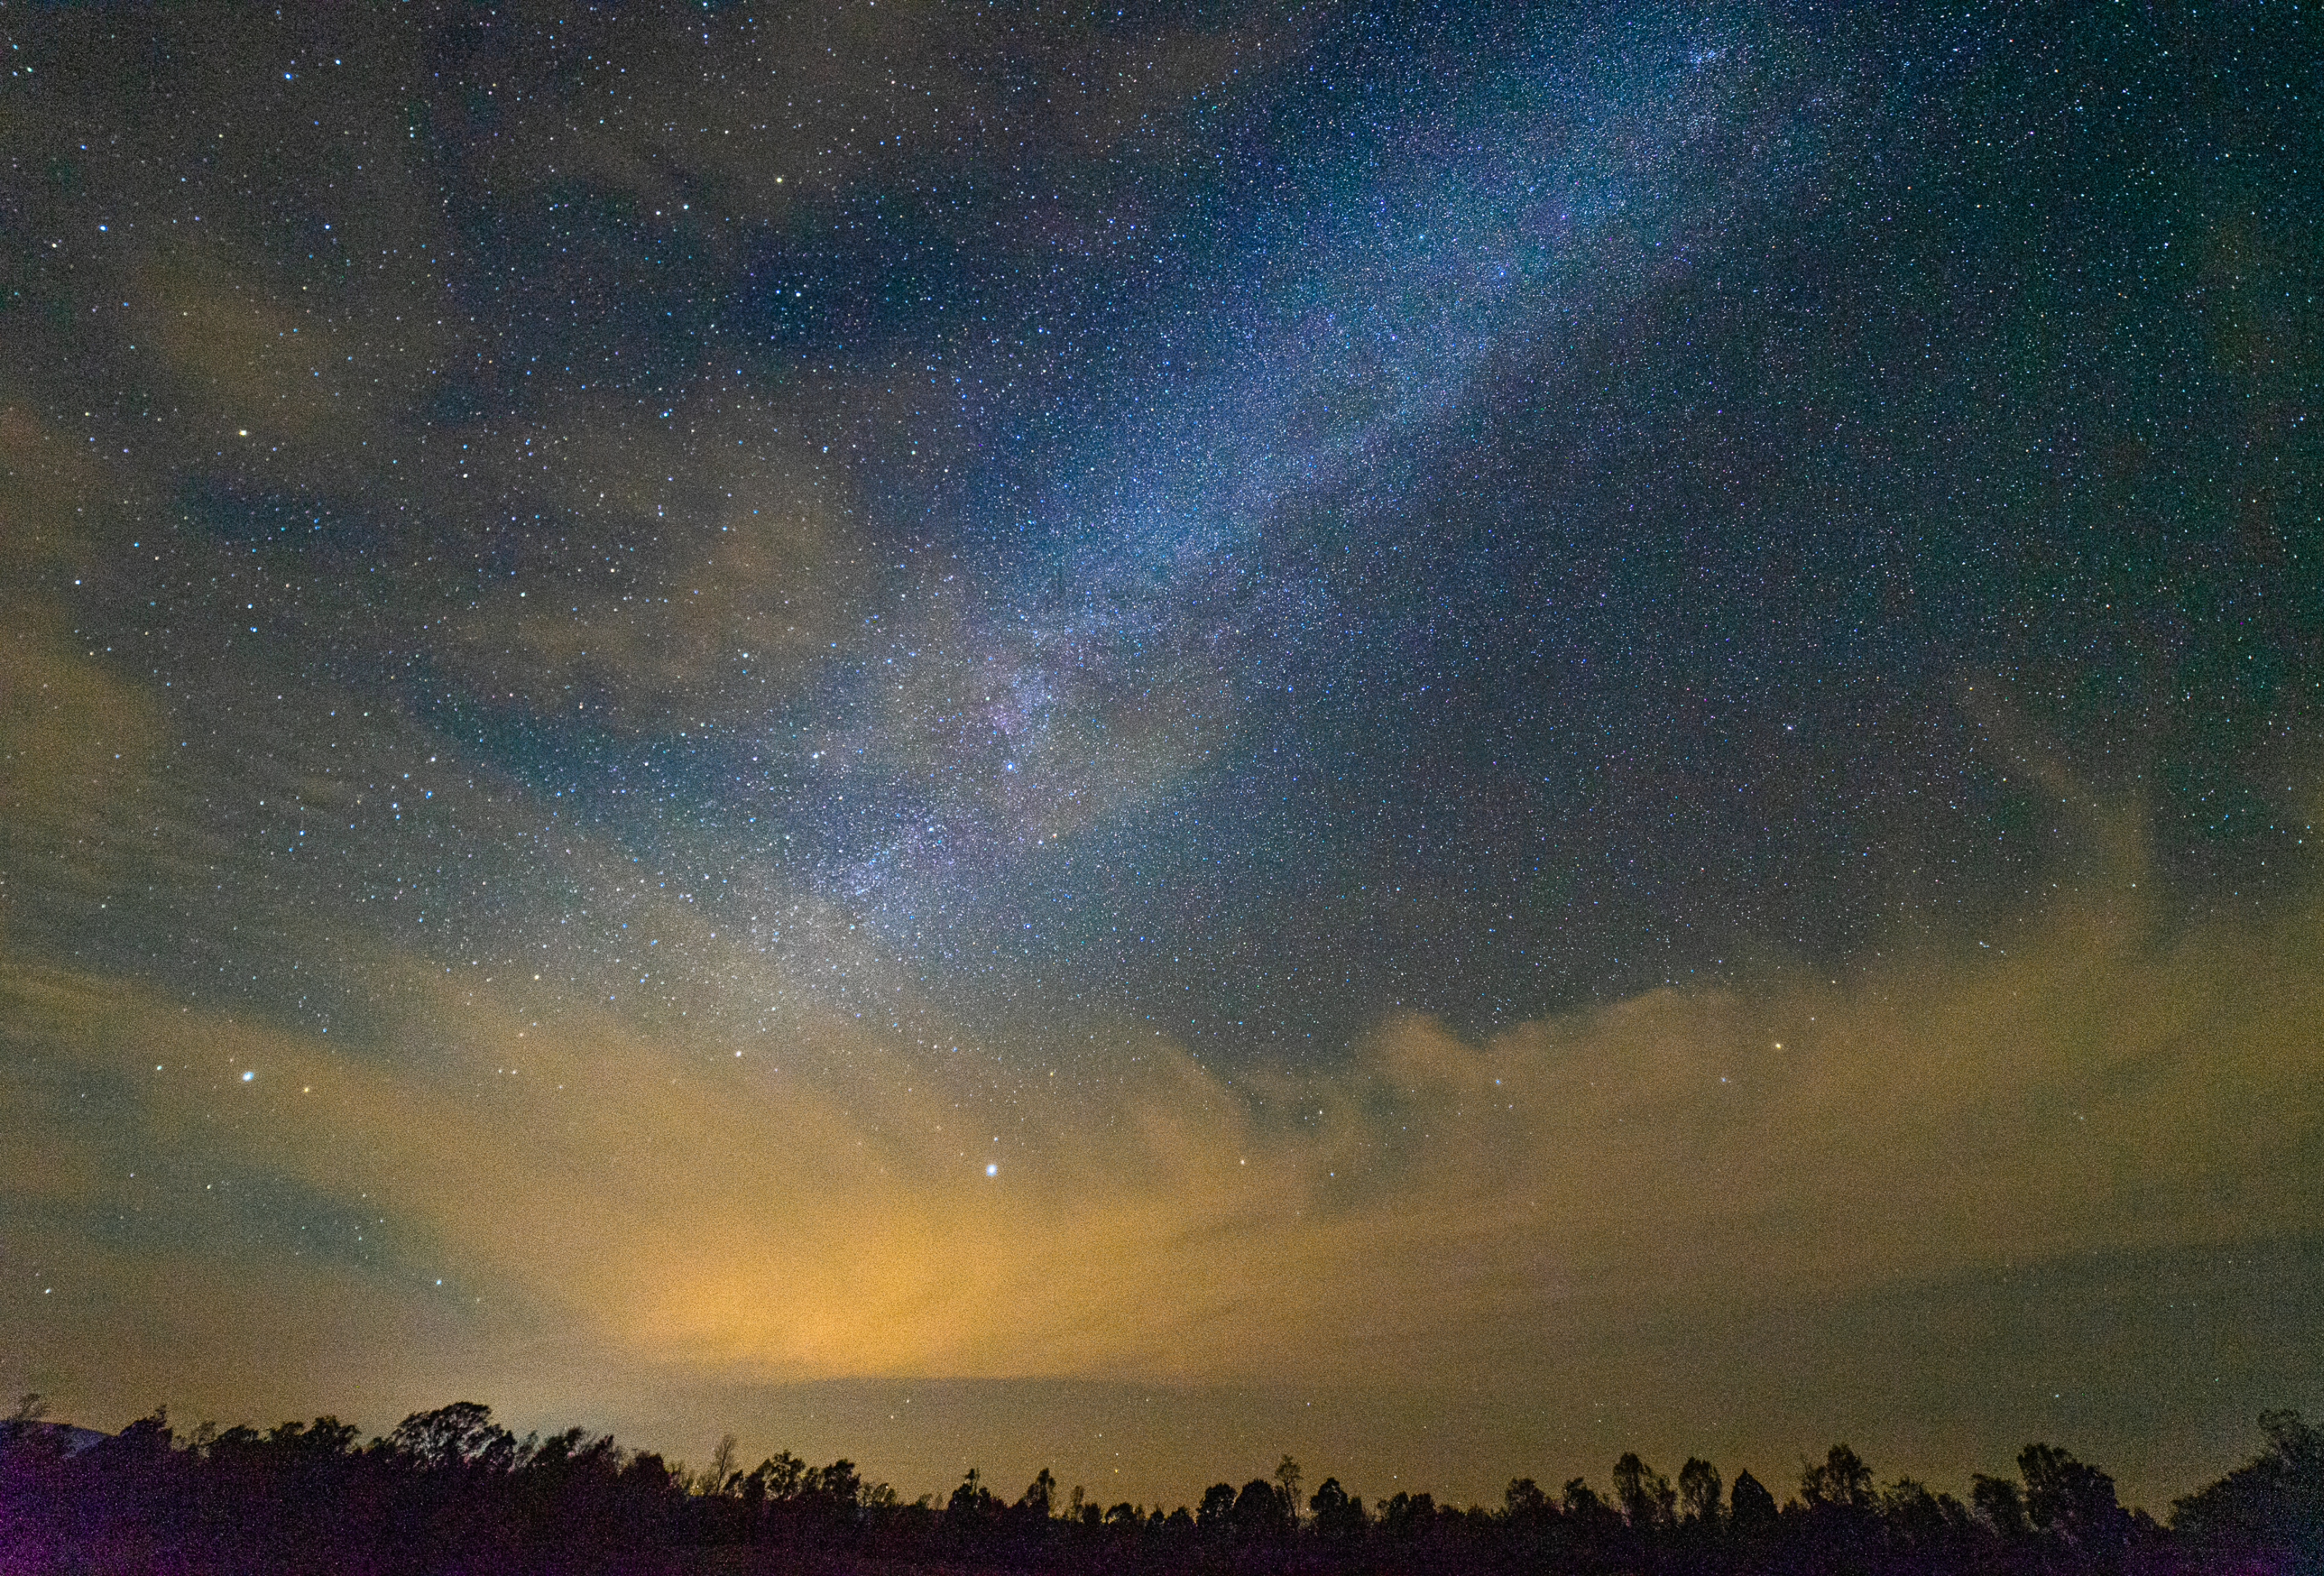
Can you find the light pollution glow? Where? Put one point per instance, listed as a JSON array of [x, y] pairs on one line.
[[1449, 748]]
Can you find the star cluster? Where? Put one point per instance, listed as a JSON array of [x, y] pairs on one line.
[[1248, 645]]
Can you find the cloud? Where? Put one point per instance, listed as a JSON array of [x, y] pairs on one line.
[[478, 1030], [819, 1207], [472, 1027], [75, 738], [709, 561]]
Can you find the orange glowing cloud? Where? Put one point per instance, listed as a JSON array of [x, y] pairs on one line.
[[825, 1209]]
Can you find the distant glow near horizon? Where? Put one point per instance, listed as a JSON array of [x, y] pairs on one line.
[[1582, 732]]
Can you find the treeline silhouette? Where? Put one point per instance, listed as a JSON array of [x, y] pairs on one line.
[[452, 1492]]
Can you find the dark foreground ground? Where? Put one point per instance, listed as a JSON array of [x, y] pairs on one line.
[[449, 1491]]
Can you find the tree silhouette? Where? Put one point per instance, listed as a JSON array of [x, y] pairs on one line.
[[1751, 1509], [779, 1476], [2000, 1508], [1841, 1482], [2271, 1508], [458, 1435], [972, 1516], [1041, 1494], [1407, 1516], [2072, 1502], [1644, 1494], [31, 1410], [1259, 1514], [450, 1490], [1918, 1520], [721, 1476], [1339, 1516], [1698, 1489]]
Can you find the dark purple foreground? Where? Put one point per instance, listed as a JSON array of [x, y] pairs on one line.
[[449, 1490]]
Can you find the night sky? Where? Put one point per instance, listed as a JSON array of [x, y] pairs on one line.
[[1448, 738]]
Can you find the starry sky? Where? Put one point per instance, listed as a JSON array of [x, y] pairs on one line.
[[1448, 738]]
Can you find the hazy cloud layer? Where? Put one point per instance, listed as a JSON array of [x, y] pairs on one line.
[[1447, 744], [659, 1180]]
